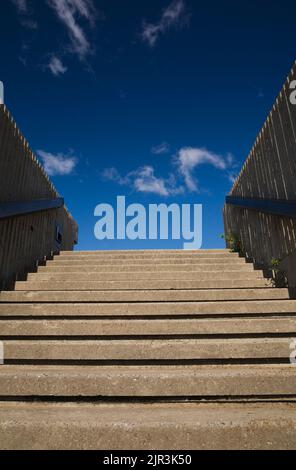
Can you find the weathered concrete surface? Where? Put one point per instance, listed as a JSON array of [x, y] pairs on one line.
[[166, 349], [148, 426], [145, 252], [125, 310], [145, 295], [113, 327], [281, 306], [198, 267], [142, 275], [149, 381], [141, 285], [149, 257], [155, 262]]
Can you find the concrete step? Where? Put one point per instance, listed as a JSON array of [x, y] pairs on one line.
[[147, 276], [108, 268], [97, 326], [129, 327], [88, 285], [148, 381], [147, 257], [135, 426], [144, 252], [148, 349], [266, 293], [226, 308], [59, 261]]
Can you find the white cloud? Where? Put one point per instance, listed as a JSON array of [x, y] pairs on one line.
[[160, 149], [59, 164], [71, 13], [86, 8], [29, 23], [189, 158], [144, 180], [230, 160], [68, 11], [186, 161], [111, 174], [21, 5], [56, 66], [25, 14], [172, 16]]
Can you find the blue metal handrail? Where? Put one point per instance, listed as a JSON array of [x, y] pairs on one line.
[[14, 209], [279, 207]]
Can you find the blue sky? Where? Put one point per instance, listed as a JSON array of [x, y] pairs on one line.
[[159, 101]]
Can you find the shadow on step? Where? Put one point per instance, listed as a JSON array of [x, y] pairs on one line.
[[152, 399]]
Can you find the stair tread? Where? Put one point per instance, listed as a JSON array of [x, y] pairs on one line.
[[108, 268], [140, 285], [258, 371], [209, 326], [148, 349], [164, 275], [148, 380], [146, 295], [143, 426], [152, 308]]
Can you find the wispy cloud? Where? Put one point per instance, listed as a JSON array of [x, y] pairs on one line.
[[59, 164], [260, 94], [56, 66], [111, 174], [172, 16], [162, 148], [189, 158], [78, 17], [144, 180], [181, 176], [69, 12], [29, 23], [21, 5], [25, 14]]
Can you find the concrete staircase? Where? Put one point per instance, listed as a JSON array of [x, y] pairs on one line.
[[147, 350]]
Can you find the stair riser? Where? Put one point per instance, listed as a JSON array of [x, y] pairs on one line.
[[149, 382], [145, 295], [141, 285], [149, 309], [145, 252], [148, 257], [151, 426], [147, 327], [147, 276], [156, 262], [148, 349], [93, 268]]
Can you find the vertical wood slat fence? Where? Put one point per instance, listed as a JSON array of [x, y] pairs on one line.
[[267, 182], [30, 237]]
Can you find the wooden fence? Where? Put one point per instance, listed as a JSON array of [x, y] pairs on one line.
[[34, 223], [265, 190]]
